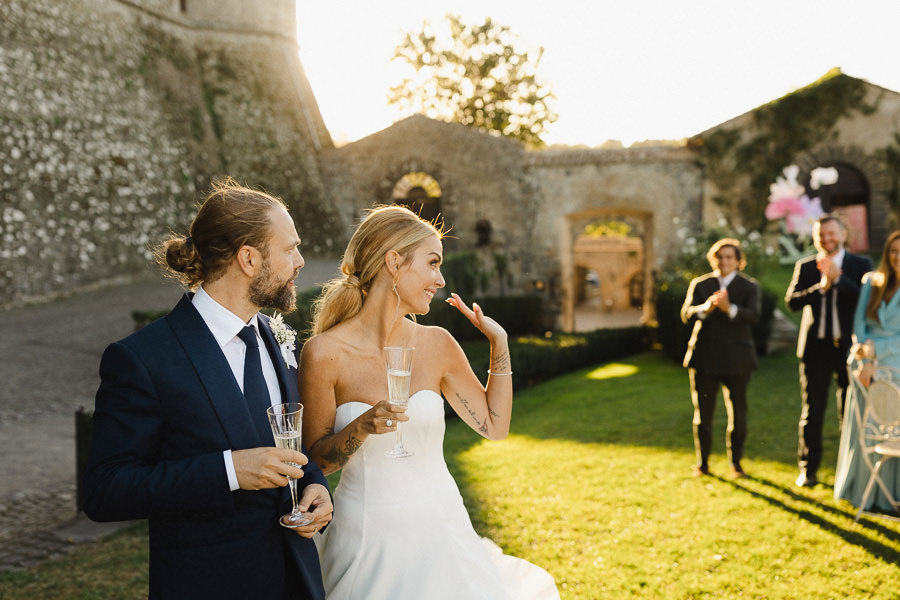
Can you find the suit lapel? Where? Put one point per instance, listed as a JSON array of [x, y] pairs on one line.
[[287, 376], [709, 287], [215, 374]]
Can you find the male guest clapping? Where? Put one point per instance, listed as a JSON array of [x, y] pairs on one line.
[[826, 287], [180, 432], [723, 305]]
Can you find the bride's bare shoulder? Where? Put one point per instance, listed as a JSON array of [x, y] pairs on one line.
[[323, 347], [434, 335]]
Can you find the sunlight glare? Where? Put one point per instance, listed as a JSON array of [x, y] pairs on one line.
[[613, 370]]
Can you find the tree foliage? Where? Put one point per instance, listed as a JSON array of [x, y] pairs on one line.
[[474, 75]]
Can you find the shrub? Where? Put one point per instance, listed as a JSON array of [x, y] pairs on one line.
[[519, 315], [471, 271], [301, 319], [536, 358]]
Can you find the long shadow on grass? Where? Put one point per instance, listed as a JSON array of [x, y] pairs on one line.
[[857, 538], [645, 400]]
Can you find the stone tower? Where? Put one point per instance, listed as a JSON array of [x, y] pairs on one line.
[[116, 114]]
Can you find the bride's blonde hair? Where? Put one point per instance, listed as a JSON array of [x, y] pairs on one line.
[[384, 228]]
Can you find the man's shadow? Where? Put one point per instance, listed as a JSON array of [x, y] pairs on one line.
[[769, 490]]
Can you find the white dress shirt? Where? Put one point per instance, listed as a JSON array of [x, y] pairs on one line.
[[837, 259], [724, 282], [225, 326]]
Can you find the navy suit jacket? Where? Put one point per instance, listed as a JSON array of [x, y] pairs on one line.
[[720, 345], [167, 407], [803, 294]]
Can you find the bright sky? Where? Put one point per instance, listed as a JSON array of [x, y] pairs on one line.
[[628, 70]]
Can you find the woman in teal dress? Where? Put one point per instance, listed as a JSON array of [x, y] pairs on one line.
[[876, 325]]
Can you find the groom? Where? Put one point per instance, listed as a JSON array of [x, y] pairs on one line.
[[180, 434]]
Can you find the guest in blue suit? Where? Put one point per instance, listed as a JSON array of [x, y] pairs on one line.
[[179, 438]]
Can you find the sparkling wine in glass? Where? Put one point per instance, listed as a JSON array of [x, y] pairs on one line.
[[286, 421], [398, 362]]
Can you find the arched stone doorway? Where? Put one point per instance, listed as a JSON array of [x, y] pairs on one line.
[[420, 192], [849, 198], [606, 273], [860, 195]]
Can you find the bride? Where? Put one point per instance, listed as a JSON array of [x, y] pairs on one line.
[[400, 529]]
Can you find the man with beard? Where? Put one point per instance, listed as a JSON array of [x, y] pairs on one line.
[[826, 288], [180, 433]]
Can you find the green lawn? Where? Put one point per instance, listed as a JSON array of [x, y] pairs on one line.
[[594, 484]]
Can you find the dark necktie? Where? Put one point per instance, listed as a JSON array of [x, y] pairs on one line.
[[256, 392]]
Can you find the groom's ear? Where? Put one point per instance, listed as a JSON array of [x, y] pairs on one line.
[[249, 260]]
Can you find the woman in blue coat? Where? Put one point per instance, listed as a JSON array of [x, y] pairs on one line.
[[876, 325]]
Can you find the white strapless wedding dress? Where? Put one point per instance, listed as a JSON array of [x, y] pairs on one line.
[[401, 531]]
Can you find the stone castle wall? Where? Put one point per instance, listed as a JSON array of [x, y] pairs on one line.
[[479, 175], [537, 202], [113, 121]]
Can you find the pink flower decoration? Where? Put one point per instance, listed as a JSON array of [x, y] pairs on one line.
[[782, 207], [802, 222]]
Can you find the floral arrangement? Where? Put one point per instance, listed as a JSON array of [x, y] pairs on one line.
[[286, 338], [790, 204]]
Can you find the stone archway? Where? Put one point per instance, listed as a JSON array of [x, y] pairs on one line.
[[603, 272], [861, 194], [420, 192]]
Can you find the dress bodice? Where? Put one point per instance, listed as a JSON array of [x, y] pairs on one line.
[[401, 530], [375, 475]]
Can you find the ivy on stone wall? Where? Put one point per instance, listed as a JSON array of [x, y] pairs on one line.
[[890, 155], [741, 165]]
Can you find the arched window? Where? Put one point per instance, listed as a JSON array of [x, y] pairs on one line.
[[420, 192], [848, 197]]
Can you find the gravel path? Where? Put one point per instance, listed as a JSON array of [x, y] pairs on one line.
[[49, 356]]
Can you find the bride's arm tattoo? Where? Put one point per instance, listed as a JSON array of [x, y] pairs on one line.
[[482, 427], [500, 362], [338, 455]]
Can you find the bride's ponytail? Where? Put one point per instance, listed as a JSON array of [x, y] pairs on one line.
[[384, 228]]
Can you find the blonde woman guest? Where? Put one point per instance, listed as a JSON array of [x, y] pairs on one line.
[[876, 325], [402, 530]]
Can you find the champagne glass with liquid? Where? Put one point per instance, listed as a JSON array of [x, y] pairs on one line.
[[398, 362], [286, 421]]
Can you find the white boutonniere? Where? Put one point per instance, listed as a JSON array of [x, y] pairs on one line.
[[286, 338]]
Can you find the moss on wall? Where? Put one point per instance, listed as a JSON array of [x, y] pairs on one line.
[[741, 163]]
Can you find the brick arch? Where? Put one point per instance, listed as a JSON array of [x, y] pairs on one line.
[[394, 180], [872, 170], [574, 225]]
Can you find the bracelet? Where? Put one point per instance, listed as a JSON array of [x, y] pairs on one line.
[[499, 374]]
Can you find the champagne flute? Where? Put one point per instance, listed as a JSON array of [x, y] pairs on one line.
[[398, 362], [286, 421]]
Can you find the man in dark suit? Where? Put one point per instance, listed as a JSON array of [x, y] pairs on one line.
[[826, 287], [723, 306], [180, 434]]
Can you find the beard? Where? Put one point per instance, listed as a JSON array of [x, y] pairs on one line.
[[266, 292]]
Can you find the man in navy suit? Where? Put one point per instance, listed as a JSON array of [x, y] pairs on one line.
[[723, 306], [180, 439], [826, 287]]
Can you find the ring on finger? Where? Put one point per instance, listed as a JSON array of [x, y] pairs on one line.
[[388, 422]]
